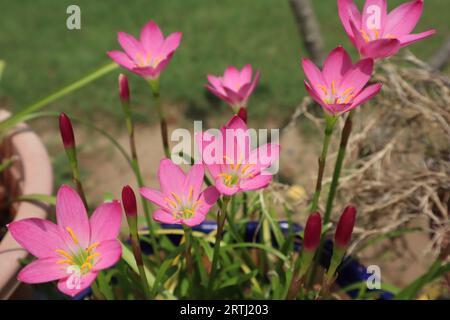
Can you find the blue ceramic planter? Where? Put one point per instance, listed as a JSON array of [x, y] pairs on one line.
[[350, 271]]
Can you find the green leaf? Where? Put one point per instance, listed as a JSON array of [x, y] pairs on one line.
[[36, 197]]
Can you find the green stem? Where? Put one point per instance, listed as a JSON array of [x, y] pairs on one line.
[[220, 224], [139, 262], [188, 245], [333, 188], [16, 118], [330, 122], [154, 85], [138, 173], [338, 166]]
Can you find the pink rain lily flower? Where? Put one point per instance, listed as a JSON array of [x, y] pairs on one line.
[[234, 87], [340, 86], [232, 163], [377, 34], [181, 199], [74, 250], [149, 55]]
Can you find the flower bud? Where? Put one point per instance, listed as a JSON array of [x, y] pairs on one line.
[[313, 229], [344, 227], [124, 89], [66, 130], [129, 201]]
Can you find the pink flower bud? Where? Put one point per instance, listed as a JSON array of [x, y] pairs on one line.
[[124, 89], [242, 113], [313, 229], [345, 227], [129, 201], [66, 130]]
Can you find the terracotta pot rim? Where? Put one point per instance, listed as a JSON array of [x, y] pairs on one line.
[[37, 177]]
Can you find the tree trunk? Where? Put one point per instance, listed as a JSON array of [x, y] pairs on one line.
[[308, 28]]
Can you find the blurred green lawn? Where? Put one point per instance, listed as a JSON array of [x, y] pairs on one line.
[[42, 55]]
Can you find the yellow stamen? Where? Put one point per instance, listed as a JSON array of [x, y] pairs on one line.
[[189, 211], [190, 193], [92, 257], [72, 235], [365, 35], [333, 88], [196, 204], [177, 198], [246, 167], [321, 87], [92, 247], [231, 162], [347, 91], [86, 265], [171, 202], [64, 253], [377, 33], [65, 262], [349, 98]]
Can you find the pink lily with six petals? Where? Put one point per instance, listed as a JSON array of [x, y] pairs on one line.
[[234, 87], [181, 199], [75, 249], [377, 34], [232, 163], [340, 86], [149, 55]]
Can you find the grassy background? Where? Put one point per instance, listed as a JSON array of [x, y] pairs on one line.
[[42, 55]]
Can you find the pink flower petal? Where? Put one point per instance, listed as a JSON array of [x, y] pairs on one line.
[[348, 12], [251, 88], [357, 76], [155, 196], [207, 199], [403, 19], [105, 222], [151, 37], [43, 270], [246, 73], [216, 83], [231, 78], [219, 93], [336, 65], [379, 49], [313, 73], [130, 45], [170, 177], [145, 72], [171, 43], [357, 39], [39, 237], [74, 285], [122, 59], [109, 253], [71, 215], [264, 156], [194, 180], [374, 12], [259, 182], [224, 189], [313, 93], [194, 221], [366, 94], [408, 39], [165, 217], [236, 123], [234, 97]]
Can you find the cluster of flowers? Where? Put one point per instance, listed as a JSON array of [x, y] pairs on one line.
[[91, 244]]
